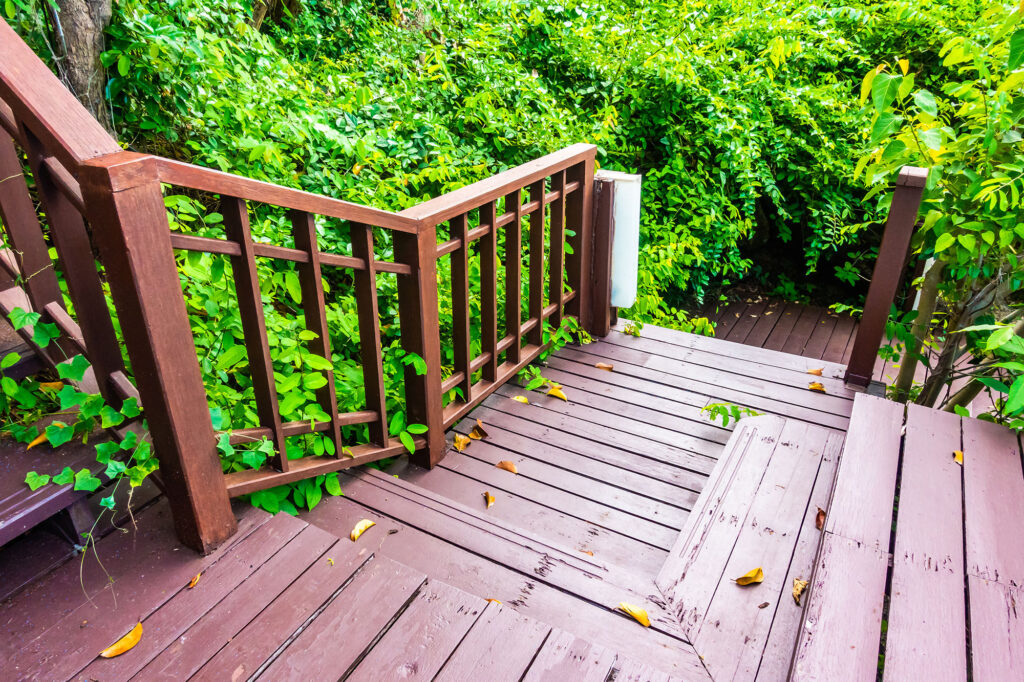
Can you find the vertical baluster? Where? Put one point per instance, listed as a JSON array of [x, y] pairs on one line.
[[369, 332], [536, 336], [578, 218], [489, 290], [24, 232], [513, 277], [459, 229], [74, 249], [315, 312], [417, 310], [254, 326], [556, 272], [601, 272]]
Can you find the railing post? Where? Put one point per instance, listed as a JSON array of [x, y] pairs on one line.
[[579, 208], [125, 208], [418, 319], [601, 269], [885, 280]]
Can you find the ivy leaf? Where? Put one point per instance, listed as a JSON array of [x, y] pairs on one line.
[[115, 468], [84, 480], [64, 477], [73, 369], [59, 433], [104, 451], [107, 502], [253, 459], [35, 480], [130, 408], [110, 417]]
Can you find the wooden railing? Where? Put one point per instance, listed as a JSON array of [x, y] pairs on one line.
[[96, 196]]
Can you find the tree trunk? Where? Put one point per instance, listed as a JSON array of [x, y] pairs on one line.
[[79, 27], [922, 325], [260, 10]]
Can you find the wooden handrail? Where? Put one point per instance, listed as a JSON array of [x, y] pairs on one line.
[[887, 274]]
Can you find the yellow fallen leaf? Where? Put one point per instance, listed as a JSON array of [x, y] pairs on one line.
[[124, 644], [587, 552], [819, 519], [461, 442], [361, 528], [605, 366], [638, 613], [816, 372], [817, 386], [51, 385], [557, 392], [192, 583], [752, 578], [478, 431], [494, 601], [507, 466], [958, 455], [489, 499], [330, 561], [798, 588], [521, 399], [41, 438]]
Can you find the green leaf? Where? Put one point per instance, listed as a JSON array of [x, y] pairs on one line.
[[884, 89], [107, 502], [64, 477], [59, 433], [931, 138], [925, 101], [104, 451], [407, 441], [944, 241], [36, 481], [1015, 399], [865, 85], [231, 357], [84, 480], [1016, 57], [885, 125], [332, 485], [313, 496], [110, 417], [994, 384], [999, 338], [74, 369], [417, 429], [314, 361], [115, 468], [9, 360], [968, 241], [314, 381], [123, 65]]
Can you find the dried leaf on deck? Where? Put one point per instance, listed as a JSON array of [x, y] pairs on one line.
[[557, 392], [361, 528], [51, 385], [195, 581], [478, 431], [41, 438], [752, 578], [461, 442], [819, 519], [638, 613], [124, 644], [798, 588], [489, 499], [507, 466], [816, 372], [587, 552], [605, 366], [494, 601], [763, 605], [958, 456], [521, 399], [817, 386]]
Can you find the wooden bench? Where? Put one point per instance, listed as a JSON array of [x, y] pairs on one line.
[[952, 594]]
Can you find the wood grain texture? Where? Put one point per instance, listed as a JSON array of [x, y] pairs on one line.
[[997, 630], [565, 657], [500, 645], [928, 557]]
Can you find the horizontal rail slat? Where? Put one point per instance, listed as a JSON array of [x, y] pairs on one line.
[[302, 428]]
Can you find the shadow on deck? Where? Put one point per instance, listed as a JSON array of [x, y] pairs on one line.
[[606, 482]]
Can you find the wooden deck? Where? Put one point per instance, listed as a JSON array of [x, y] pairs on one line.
[[606, 483]]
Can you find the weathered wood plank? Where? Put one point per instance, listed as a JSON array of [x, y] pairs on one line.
[[765, 324], [820, 336], [842, 625], [993, 502], [861, 508], [663, 395], [500, 645], [928, 556], [566, 657], [745, 324], [997, 630], [835, 350], [787, 319], [350, 624]]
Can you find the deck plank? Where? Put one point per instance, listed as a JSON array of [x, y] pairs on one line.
[[928, 557], [351, 622], [993, 502], [820, 336], [835, 350], [565, 657], [839, 637], [802, 330], [997, 630], [500, 645], [765, 324], [861, 507], [780, 334], [748, 318], [667, 396]]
